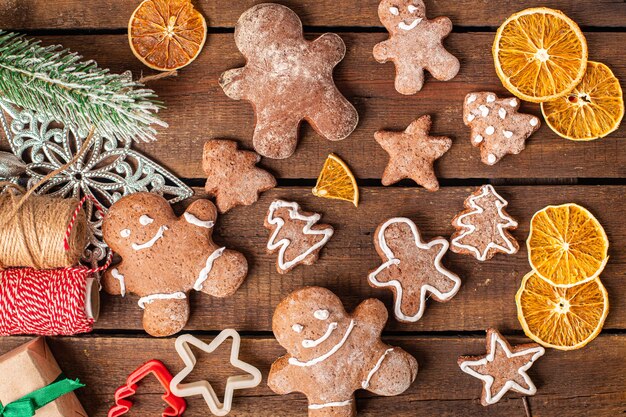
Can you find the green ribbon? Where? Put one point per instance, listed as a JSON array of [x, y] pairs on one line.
[[30, 403]]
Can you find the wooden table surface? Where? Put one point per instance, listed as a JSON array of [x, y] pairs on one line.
[[586, 382]]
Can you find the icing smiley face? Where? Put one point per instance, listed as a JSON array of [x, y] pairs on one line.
[[401, 15], [145, 220]]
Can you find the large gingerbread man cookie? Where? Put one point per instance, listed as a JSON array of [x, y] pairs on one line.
[[415, 44], [331, 354], [164, 257], [288, 79]]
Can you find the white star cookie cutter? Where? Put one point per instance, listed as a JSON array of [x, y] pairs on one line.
[[251, 379]]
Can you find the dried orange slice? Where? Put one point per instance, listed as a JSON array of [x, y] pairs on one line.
[[540, 54], [592, 110], [561, 318], [166, 34], [567, 245], [336, 181]]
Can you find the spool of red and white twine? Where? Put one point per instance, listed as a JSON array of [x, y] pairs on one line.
[[50, 302]]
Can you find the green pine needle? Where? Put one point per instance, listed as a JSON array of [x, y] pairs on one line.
[[56, 82]]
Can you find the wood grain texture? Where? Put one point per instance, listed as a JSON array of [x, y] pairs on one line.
[[198, 110], [440, 389], [486, 298], [114, 14]]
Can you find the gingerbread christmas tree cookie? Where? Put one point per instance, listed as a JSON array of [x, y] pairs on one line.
[[412, 269], [288, 79], [232, 176], [412, 153], [415, 44], [483, 227], [503, 368], [497, 128], [295, 235], [331, 353]]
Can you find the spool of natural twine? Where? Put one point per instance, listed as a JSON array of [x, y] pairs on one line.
[[33, 230]]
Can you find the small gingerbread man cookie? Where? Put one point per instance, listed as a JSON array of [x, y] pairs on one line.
[[232, 176], [497, 127], [295, 234], [415, 44], [165, 256], [412, 269], [288, 79], [331, 354]]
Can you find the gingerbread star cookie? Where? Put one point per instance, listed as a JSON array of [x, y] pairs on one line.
[[503, 368], [415, 44], [497, 128], [412, 269], [232, 176], [412, 153], [295, 235], [483, 227], [288, 79]]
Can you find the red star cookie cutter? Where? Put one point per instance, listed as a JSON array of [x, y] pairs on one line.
[[176, 405]]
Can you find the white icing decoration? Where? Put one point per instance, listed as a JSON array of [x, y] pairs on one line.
[[296, 362], [470, 117], [490, 130], [470, 228], [412, 26], [152, 298], [513, 102], [191, 219], [333, 404], [534, 122], [491, 98], [366, 382], [392, 260], [125, 233], [145, 220], [484, 110], [502, 113], [284, 243], [489, 380], [308, 343], [297, 328], [204, 273], [471, 99], [491, 158], [478, 138], [412, 8], [394, 11], [116, 274], [321, 314], [508, 134], [151, 242]]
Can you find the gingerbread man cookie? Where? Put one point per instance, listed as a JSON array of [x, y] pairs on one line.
[[232, 176], [412, 269], [295, 234], [483, 227], [288, 79], [331, 354], [165, 256], [412, 153], [415, 44], [497, 128]]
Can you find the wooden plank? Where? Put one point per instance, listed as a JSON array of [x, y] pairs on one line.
[[441, 388], [485, 299], [198, 110], [114, 14]]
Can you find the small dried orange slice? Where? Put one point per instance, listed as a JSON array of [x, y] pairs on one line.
[[561, 318], [592, 110], [166, 34], [567, 245], [336, 181], [540, 54]]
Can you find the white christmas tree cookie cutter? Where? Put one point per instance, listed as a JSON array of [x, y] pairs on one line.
[[251, 379]]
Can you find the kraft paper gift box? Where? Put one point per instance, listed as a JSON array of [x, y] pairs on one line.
[[29, 368]]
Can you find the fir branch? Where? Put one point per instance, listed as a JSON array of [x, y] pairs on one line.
[[56, 82]]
